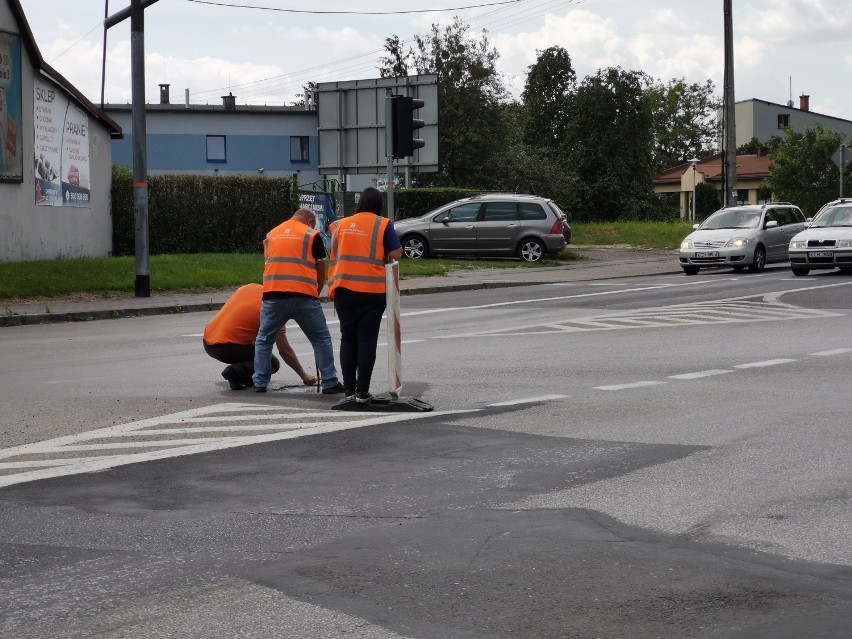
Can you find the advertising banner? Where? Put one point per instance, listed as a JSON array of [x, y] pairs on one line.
[[323, 208], [62, 175], [11, 150]]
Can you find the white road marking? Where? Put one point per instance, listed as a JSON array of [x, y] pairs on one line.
[[625, 386], [151, 439], [700, 374], [530, 400], [764, 364], [836, 351]]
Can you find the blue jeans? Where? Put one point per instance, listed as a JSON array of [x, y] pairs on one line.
[[307, 313]]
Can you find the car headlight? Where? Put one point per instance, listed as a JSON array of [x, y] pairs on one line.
[[736, 242], [844, 243], [686, 244], [798, 244]]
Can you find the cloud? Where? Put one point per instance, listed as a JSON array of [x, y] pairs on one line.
[[796, 21]]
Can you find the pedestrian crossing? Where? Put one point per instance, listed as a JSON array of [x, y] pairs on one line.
[[189, 432], [699, 313]]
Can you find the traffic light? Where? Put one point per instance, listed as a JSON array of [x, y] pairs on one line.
[[404, 124]]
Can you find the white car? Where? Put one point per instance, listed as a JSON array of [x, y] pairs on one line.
[[826, 243], [740, 237]]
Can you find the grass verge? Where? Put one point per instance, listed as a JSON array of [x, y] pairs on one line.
[[108, 277]]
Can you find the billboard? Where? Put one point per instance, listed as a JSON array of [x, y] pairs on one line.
[[62, 175], [352, 134], [11, 151]]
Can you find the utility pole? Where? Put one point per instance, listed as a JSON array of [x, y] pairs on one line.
[[729, 118], [136, 13]]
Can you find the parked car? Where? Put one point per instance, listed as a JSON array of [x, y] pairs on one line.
[[496, 224], [741, 237], [827, 242]]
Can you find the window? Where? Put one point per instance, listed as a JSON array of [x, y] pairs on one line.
[[532, 211], [500, 212], [783, 120], [216, 148], [463, 213], [299, 148]]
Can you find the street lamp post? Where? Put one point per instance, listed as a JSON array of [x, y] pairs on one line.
[[693, 162]]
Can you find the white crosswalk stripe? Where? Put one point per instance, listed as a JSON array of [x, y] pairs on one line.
[[716, 312], [185, 433]]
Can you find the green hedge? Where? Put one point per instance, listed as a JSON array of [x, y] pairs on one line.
[[415, 202], [202, 214]]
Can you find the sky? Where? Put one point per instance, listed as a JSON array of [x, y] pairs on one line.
[[782, 48]]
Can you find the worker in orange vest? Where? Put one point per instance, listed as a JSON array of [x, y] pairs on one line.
[[293, 276], [360, 246], [229, 337]]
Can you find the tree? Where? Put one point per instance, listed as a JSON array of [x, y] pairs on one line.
[[548, 90], [684, 120], [801, 170], [753, 146], [608, 143], [706, 199], [469, 97], [395, 63]]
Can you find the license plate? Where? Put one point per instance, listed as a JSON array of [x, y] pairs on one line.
[[701, 254], [820, 254]]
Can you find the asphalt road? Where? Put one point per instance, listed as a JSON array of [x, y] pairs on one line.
[[648, 457]]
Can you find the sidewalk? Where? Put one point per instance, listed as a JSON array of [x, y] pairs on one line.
[[599, 263]]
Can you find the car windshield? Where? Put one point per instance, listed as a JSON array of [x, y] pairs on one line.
[[731, 219], [835, 216]]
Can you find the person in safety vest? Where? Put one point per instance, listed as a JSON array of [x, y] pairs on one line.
[[293, 276], [229, 337], [360, 246]]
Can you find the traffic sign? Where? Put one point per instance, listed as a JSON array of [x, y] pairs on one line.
[[842, 156]]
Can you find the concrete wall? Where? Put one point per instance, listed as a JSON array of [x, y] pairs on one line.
[[758, 118], [30, 232]]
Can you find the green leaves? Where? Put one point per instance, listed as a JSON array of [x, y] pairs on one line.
[[801, 170], [201, 213]]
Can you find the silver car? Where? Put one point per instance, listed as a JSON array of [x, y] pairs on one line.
[[526, 226], [741, 237], [827, 242]]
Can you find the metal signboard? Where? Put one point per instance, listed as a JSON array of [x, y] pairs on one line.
[[351, 116]]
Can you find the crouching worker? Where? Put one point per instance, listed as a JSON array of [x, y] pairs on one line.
[[230, 336]]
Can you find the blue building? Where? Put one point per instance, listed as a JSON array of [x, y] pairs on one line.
[[225, 139]]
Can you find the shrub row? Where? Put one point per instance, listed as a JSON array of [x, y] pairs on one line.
[[202, 214]]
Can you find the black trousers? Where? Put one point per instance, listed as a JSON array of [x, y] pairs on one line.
[[360, 317], [240, 357]]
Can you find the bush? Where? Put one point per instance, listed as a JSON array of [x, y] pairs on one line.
[[200, 213], [416, 202]]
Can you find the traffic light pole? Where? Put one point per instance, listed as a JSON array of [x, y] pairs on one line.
[[389, 132]]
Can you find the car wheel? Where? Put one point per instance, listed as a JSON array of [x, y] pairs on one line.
[[759, 262], [415, 247], [531, 250], [691, 270], [799, 272]]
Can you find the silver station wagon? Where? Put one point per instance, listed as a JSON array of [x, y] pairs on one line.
[[741, 237], [827, 242], [496, 224]]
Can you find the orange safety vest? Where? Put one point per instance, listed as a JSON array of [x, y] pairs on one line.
[[358, 254], [290, 266], [238, 320]]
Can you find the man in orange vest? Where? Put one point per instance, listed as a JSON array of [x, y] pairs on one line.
[[360, 246], [293, 276], [229, 337]]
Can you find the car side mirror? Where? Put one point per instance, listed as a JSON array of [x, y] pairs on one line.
[[771, 224], [446, 221], [695, 227]]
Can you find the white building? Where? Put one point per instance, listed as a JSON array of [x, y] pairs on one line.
[[55, 155]]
